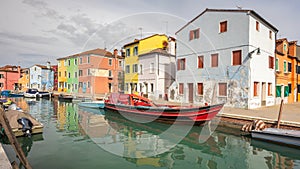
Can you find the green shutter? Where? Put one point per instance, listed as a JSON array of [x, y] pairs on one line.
[[286, 91], [278, 91], [284, 66], [276, 64]]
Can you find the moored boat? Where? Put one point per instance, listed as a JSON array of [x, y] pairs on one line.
[[92, 104], [44, 94], [16, 95], [31, 93], [138, 106], [65, 98], [277, 135]]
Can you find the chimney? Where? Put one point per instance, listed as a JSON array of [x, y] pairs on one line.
[[48, 65], [116, 52]]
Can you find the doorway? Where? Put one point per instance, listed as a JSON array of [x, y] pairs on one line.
[[191, 92]]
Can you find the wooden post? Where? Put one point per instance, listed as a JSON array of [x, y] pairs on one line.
[[279, 115], [13, 140]]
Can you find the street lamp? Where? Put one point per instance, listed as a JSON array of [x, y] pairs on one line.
[[257, 53]]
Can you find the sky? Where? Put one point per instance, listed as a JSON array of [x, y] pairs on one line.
[[37, 31]]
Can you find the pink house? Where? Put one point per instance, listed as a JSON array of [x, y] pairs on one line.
[[9, 76]]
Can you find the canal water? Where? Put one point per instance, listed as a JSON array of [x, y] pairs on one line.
[[77, 138]]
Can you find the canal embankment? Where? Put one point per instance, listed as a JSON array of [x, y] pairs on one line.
[[4, 162]]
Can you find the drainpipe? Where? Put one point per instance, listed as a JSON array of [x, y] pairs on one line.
[[275, 69]]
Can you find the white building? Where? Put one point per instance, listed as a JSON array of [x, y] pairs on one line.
[[156, 73], [226, 56]]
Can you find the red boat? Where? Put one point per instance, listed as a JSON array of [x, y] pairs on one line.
[[137, 106]]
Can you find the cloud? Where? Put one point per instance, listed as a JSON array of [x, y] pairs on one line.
[[26, 38], [43, 9]]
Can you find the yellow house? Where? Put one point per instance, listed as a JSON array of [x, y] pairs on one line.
[[132, 52], [62, 75], [24, 80]]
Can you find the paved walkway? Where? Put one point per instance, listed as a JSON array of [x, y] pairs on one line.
[[290, 114]]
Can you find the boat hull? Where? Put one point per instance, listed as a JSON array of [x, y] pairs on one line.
[[95, 105], [280, 136], [197, 115]]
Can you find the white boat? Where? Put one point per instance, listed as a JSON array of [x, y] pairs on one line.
[[276, 135], [31, 93], [44, 94], [93, 104]]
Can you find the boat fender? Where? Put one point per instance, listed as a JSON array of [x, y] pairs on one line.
[[259, 125], [26, 126], [247, 127]]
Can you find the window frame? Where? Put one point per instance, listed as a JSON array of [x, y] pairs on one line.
[[220, 92], [217, 60], [181, 88], [271, 62], [223, 26], [233, 58], [200, 62], [201, 87]]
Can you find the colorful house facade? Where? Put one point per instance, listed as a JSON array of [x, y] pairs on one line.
[[72, 74], [55, 77], [100, 72], [9, 76], [24, 80], [226, 56], [132, 52], [62, 74], [41, 77], [286, 71]]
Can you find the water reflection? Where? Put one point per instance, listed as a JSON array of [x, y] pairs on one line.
[[225, 148]]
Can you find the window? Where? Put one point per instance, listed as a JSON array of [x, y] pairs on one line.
[[80, 85], [34, 68], [200, 62], [127, 69], [284, 47], [134, 68], [65, 73], [237, 57], [195, 34], [289, 67], [270, 34], [200, 89], [181, 64], [88, 59], [59, 74], [269, 89], [65, 63], [80, 73], [180, 88], [271, 62], [135, 51], [128, 52], [297, 69], [256, 88], [126, 87], [223, 26], [69, 75], [286, 91], [257, 25], [75, 61], [152, 87], [109, 62], [80, 60], [75, 74], [69, 62], [75, 86], [214, 60], [284, 67], [290, 88], [88, 84], [1, 76], [152, 68], [276, 65], [109, 73], [222, 89], [120, 63], [89, 72], [141, 69], [1, 85]]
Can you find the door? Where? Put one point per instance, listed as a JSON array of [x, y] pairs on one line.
[[191, 92], [263, 94]]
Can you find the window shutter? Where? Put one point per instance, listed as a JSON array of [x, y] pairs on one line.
[[214, 60], [237, 57], [191, 35]]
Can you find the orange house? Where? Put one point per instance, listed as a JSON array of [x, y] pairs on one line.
[[286, 71], [100, 72]]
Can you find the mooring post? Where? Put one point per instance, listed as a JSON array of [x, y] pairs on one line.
[[13, 140], [279, 115]]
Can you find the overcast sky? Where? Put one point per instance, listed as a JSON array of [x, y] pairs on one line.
[[37, 31]]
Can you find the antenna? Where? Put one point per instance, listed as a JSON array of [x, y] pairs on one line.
[[167, 24], [141, 29]]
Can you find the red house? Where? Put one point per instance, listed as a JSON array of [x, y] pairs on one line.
[[9, 76]]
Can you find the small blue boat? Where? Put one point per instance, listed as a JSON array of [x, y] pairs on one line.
[[16, 95], [5, 93], [93, 104]]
